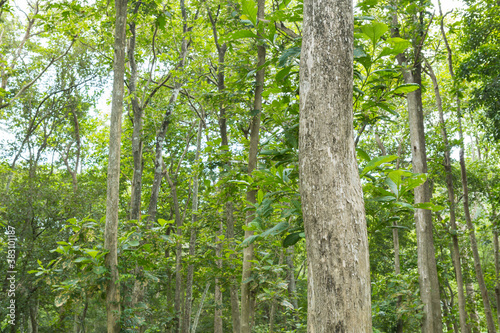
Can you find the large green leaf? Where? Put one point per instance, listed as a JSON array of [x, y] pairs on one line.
[[249, 9], [277, 229], [292, 239], [429, 206], [374, 31], [405, 88], [377, 162]]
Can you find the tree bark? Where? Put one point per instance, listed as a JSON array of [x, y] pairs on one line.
[[455, 253], [497, 272], [332, 198], [218, 289], [247, 296], [111, 229], [186, 321], [427, 269], [135, 200]]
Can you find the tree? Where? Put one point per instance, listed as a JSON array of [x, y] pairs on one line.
[[113, 187], [332, 199]]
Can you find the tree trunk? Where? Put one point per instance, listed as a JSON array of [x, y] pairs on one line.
[[474, 318], [111, 230], [427, 269], [198, 313], [186, 321], [247, 296], [218, 290], [292, 289], [455, 253], [463, 171], [135, 200], [233, 288], [332, 200], [497, 273]]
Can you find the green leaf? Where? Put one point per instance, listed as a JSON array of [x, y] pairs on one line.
[[249, 9], [260, 196], [287, 304], [405, 88], [99, 270], [134, 242], [292, 239], [359, 52], [249, 240], [92, 253], [277, 229], [363, 154], [429, 206], [288, 55], [61, 300], [397, 46], [386, 198], [82, 259], [283, 73], [377, 161], [374, 31], [238, 35]]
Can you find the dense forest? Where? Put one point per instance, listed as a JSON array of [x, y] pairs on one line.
[[248, 166]]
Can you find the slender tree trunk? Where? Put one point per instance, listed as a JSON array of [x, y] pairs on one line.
[[497, 273], [292, 288], [463, 171], [455, 253], [233, 288], [186, 321], [427, 269], [474, 318], [247, 296], [335, 227], [111, 230], [397, 271], [198, 313], [272, 312], [218, 289], [135, 200], [33, 316]]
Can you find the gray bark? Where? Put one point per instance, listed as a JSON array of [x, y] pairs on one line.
[[111, 229], [332, 199], [427, 269]]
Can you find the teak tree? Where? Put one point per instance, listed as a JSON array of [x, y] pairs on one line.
[[332, 199]]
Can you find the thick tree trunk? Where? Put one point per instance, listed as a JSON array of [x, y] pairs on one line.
[[247, 296], [332, 199], [111, 230], [455, 253], [463, 171]]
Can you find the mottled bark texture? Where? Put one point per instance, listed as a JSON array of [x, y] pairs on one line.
[[111, 230], [332, 199]]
